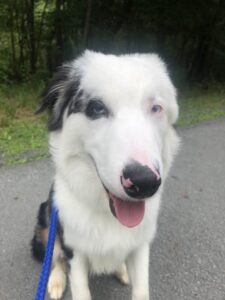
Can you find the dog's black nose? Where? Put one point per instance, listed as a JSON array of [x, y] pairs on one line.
[[140, 181]]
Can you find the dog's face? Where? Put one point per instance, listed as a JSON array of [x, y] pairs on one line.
[[115, 113]]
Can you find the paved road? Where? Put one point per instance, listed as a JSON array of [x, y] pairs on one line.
[[188, 255]]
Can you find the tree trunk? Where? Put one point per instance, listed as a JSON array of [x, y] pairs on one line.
[[200, 64], [122, 18], [39, 35], [59, 55], [87, 24], [12, 39], [31, 29]]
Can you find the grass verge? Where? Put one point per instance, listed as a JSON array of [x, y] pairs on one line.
[[197, 106], [23, 141], [23, 136]]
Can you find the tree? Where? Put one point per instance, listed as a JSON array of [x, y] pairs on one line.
[[38, 35]]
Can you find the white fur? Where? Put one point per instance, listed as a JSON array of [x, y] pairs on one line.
[[88, 153]]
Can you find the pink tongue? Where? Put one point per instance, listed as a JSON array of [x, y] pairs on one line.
[[129, 213]]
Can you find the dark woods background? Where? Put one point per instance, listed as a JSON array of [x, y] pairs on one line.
[[38, 35]]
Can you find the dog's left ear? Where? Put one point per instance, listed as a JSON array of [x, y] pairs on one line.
[[52, 91], [57, 95]]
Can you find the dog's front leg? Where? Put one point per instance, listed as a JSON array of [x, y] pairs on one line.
[[138, 269], [79, 277]]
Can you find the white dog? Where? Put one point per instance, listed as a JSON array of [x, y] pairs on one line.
[[112, 141]]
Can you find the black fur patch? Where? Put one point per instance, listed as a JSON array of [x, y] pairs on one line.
[[44, 214], [57, 96], [43, 221], [78, 103], [53, 90], [37, 249], [43, 218]]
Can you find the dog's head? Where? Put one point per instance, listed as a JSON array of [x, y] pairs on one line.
[[111, 123]]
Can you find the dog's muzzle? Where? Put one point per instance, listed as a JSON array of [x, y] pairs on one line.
[[140, 181]]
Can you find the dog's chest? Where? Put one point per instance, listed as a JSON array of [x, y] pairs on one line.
[[105, 243], [98, 235]]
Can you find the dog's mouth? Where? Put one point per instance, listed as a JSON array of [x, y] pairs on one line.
[[128, 213]]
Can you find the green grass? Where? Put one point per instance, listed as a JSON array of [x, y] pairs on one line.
[[23, 136], [22, 141], [197, 106]]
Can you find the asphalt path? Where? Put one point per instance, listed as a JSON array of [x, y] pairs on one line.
[[188, 254]]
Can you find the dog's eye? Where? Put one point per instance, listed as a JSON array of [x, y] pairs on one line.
[[156, 109], [96, 109]]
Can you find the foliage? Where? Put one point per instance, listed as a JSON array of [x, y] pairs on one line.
[[38, 35]]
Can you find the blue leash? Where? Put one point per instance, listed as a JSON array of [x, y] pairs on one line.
[[43, 280]]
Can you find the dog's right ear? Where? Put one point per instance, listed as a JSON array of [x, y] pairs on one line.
[[52, 92]]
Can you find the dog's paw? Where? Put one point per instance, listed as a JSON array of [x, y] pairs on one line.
[[140, 296], [56, 284], [82, 296], [122, 275]]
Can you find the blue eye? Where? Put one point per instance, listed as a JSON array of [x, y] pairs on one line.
[[96, 109], [156, 109]]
